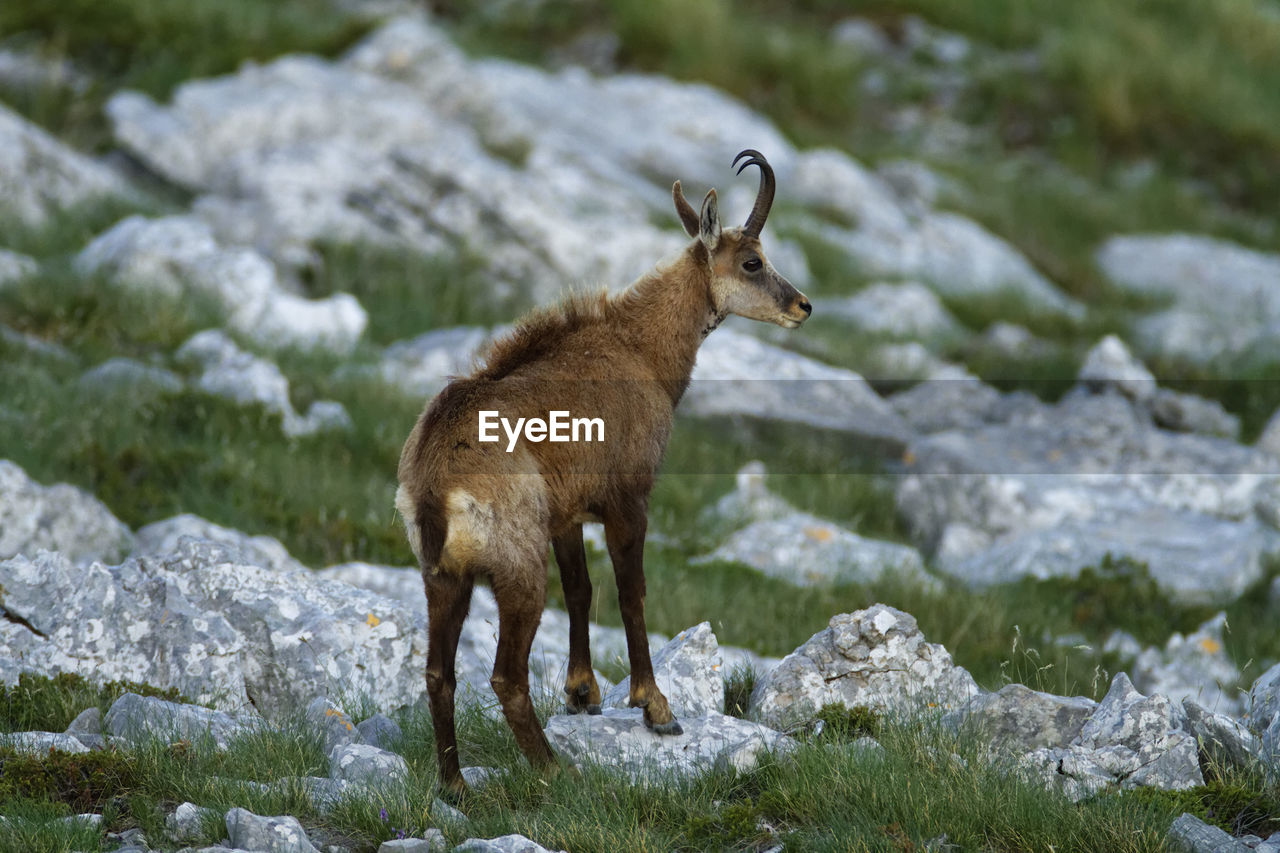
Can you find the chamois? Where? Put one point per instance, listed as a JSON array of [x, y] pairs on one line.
[[471, 507]]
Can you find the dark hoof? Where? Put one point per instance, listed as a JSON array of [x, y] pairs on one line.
[[578, 700], [671, 728]]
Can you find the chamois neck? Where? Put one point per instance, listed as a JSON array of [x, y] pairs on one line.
[[668, 313]]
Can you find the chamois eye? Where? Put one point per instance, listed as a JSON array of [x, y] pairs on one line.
[[752, 265]]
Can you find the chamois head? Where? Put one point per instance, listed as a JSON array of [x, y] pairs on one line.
[[743, 282]]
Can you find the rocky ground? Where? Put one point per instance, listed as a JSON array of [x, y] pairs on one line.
[[218, 322]]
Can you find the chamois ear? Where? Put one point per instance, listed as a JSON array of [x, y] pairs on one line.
[[709, 222], [688, 217]]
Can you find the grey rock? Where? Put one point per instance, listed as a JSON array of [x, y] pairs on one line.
[[321, 791], [179, 256], [87, 728], [187, 823], [82, 820], [1269, 439], [118, 376], [14, 267], [1110, 365], [809, 551], [1017, 718], [502, 844], [409, 140], [750, 501], [885, 237], [267, 834], [1271, 845], [41, 176], [137, 719], [60, 517], [915, 184], [1191, 834], [442, 812], [230, 372], [434, 844], [861, 36], [1193, 667], [87, 722], [738, 374], [962, 403], [1224, 300], [40, 743], [164, 537], [909, 360], [333, 723], [875, 658], [1188, 413], [365, 764], [1129, 741], [478, 777], [1264, 711], [218, 629], [689, 672], [1089, 477], [1011, 341], [31, 71], [380, 731], [1224, 742], [619, 739], [902, 310]]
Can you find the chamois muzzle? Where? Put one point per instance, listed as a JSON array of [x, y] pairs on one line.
[[764, 198]]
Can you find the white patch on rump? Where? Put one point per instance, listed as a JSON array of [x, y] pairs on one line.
[[409, 514]]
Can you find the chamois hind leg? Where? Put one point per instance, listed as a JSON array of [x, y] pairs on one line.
[[448, 599], [520, 601], [624, 534], [580, 687]]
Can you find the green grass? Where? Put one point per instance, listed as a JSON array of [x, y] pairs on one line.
[[152, 45], [926, 781], [408, 293], [37, 703], [1189, 89]]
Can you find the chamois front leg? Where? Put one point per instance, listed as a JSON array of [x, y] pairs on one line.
[[581, 690], [624, 533]]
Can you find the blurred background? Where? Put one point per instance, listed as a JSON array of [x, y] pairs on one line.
[[243, 241]]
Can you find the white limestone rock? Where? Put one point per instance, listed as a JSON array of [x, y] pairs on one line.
[[41, 176], [227, 371], [619, 739], [738, 374], [875, 658], [688, 671], [180, 257], [15, 266], [1129, 741], [60, 517], [1224, 300]]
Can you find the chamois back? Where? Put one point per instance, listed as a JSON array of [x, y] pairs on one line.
[[539, 334]]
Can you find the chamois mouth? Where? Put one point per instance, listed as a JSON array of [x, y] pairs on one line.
[[788, 321]]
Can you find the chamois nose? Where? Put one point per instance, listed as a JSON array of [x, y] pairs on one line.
[[805, 306]]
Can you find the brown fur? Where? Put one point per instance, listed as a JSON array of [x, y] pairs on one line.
[[472, 508]]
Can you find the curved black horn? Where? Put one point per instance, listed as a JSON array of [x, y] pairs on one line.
[[764, 198]]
